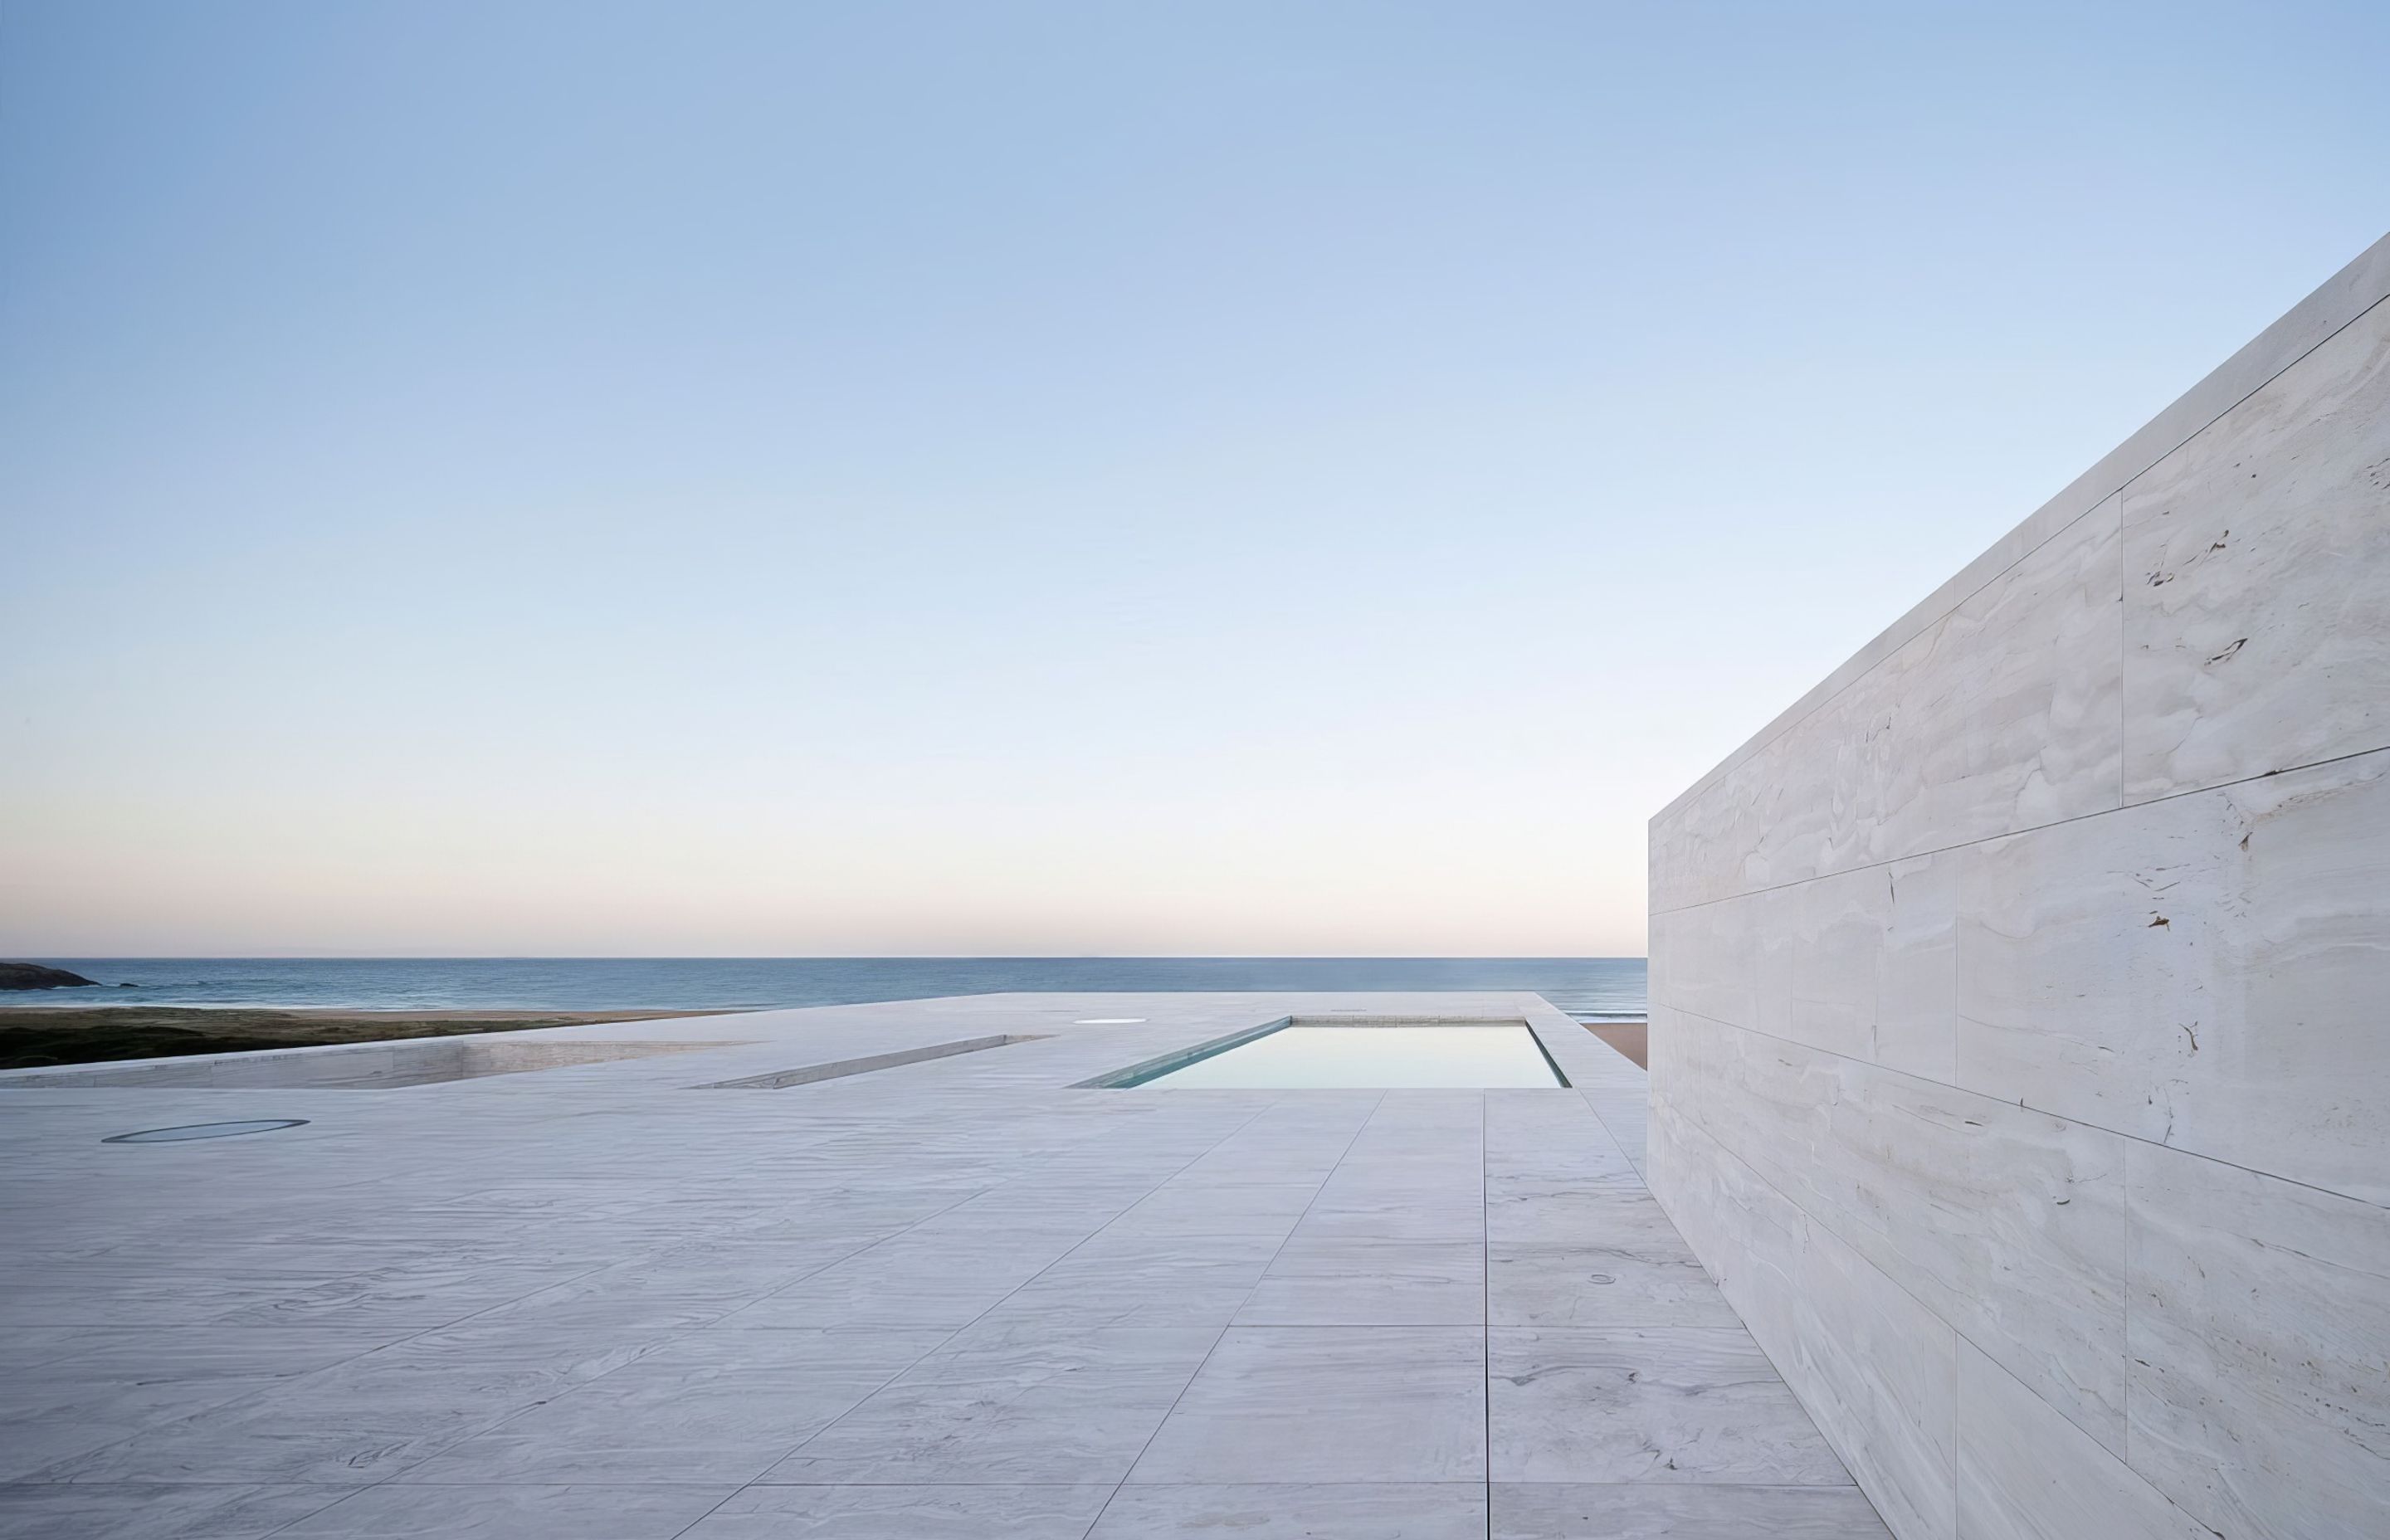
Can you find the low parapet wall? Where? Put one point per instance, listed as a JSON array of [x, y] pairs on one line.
[[2020, 1061]]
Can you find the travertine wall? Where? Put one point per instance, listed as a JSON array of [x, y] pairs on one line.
[[2021, 998]]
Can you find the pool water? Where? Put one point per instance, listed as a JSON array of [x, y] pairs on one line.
[[1303, 1058]]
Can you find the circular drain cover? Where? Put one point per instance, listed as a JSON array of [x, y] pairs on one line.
[[1109, 1021], [203, 1131]]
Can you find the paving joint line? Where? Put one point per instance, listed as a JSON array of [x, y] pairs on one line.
[[1231, 1322]]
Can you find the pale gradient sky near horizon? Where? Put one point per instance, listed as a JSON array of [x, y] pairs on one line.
[[977, 479]]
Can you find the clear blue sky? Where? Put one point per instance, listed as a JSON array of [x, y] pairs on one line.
[[980, 478]]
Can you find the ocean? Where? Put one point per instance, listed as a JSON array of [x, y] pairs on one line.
[[1591, 989]]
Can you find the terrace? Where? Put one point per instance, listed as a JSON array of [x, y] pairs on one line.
[[622, 1292]]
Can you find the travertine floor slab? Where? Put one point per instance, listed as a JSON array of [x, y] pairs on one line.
[[1666, 1404], [956, 1296], [1328, 1404], [712, 1407], [500, 1512], [1348, 1280], [1036, 1406], [1653, 1511], [143, 1510], [1051, 1513], [1381, 1510], [1639, 1277]]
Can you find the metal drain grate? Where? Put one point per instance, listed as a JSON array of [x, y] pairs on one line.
[[204, 1131]]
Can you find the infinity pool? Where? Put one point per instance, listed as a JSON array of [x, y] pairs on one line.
[[1306, 1057]]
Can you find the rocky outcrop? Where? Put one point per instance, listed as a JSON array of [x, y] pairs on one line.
[[35, 976]]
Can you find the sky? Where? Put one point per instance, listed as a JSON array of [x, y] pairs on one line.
[[1054, 479]]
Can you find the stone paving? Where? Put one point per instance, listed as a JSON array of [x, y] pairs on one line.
[[954, 1297]]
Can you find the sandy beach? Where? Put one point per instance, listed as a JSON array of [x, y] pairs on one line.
[[36, 1035], [1631, 1038]]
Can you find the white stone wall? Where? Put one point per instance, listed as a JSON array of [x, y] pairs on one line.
[[2021, 998]]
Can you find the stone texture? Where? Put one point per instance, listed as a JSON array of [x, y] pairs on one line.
[[2258, 576], [1655, 1512], [122, 1381], [2015, 1059], [152, 1511], [2026, 1473], [2194, 972], [2107, 970], [1330, 1404], [2025, 1252], [2003, 714], [1642, 1274], [2260, 1348], [719, 1407], [1917, 971], [2349, 294], [1387, 1510], [1337, 1280], [1011, 1408], [1673, 1403], [513, 1512], [913, 1512], [368, 1419], [952, 1296], [1876, 1370]]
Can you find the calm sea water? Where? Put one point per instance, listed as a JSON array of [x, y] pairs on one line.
[[1591, 989]]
